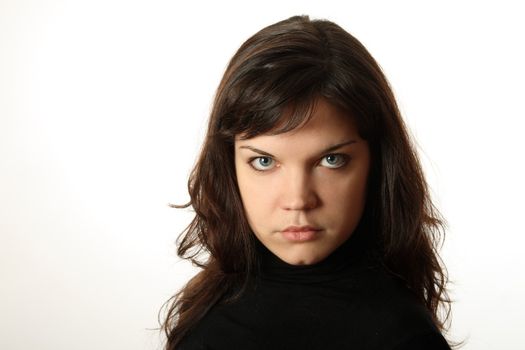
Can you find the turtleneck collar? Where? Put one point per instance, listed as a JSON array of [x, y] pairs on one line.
[[354, 254]]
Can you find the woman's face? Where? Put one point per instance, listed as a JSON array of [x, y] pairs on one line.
[[304, 191]]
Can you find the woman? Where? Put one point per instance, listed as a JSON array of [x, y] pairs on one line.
[[312, 206]]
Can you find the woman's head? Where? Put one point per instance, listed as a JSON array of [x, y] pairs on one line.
[[278, 83]]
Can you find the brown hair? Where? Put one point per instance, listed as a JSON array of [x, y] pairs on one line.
[[286, 67]]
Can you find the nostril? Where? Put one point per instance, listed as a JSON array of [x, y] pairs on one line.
[[306, 203]]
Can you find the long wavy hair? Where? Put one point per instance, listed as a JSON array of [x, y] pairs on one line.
[[270, 86]]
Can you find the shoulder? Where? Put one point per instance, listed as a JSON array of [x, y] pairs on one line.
[[394, 313], [224, 326]]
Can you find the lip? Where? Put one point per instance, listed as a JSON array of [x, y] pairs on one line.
[[300, 233], [301, 228]]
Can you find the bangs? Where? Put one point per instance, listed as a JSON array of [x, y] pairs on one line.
[[273, 92], [277, 120]]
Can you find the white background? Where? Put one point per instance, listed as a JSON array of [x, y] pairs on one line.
[[103, 105]]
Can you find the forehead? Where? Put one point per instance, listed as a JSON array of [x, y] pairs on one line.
[[328, 124]]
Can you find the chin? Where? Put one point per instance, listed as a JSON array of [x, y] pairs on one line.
[[302, 259]]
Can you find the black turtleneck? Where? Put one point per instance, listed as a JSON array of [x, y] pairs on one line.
[[346, 301]]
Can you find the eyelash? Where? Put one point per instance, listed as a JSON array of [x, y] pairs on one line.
[[344, 160]]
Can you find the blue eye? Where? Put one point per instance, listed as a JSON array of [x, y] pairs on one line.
[[334, 161], [262, 163]]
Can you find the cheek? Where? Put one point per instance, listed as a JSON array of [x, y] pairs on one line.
[[257, 198], [251, 190], [258, 211], [345, 196]]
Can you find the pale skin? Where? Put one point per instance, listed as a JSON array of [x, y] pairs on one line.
[[314, 175]]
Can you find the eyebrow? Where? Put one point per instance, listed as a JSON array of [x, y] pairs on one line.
[[327, 150]]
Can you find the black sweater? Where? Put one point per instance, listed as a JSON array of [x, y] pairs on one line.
[[346, 301]]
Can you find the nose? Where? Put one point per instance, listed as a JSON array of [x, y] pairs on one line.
[[298, 192]]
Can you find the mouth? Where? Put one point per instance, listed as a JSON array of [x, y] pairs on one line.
[[301, 233], [301, 228]]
